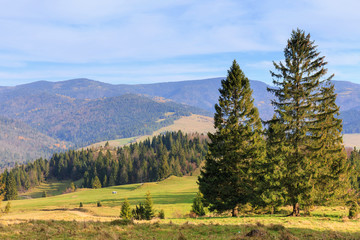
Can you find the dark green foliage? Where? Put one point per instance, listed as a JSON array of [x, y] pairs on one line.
[[44, 194], [96, 183], [354, 210], [311, 156], [161, 214], [139, 212], [354, 161], [197, 206], [11, 192], [148, 206], [272, 192], [81, 205], [237, 147], [138, 162], [125, 212], [7, 207], [98, 204]]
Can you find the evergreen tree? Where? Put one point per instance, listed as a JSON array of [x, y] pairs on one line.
[[96, 183], [271, 191], [164, 169], [125, 210], [236, 149], [11, 188], [197, 206], [300, 112], [331, 182], [148, 206]]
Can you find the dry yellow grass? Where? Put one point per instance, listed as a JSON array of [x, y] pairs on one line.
[[191, 124], [352, 140]]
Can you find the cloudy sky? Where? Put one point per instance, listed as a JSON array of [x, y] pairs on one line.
[[141, 41]]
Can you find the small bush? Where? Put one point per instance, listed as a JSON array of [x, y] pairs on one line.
[[7, 208], [122, 222], [354, 210], [161, 214], [276, 227], [197, 206], [81, 204], [44, 194], [99, 204]]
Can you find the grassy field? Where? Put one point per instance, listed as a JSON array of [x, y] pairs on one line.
[[59, 217]]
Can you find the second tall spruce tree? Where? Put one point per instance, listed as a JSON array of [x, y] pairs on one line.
[[237, 147], [311, 154]]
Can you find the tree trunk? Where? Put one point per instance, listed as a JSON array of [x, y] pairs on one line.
[[296, 210], [234, 212]]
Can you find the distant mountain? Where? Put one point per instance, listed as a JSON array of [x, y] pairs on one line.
[[20, 142]]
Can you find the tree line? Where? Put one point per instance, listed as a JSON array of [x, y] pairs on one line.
[[298, 159], [171, 153]]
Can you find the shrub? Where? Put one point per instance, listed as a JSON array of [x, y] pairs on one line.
[[44, 194], [99, 204], [354, 210], [197, 206], [139, 212], [161, 214], [81, 204], [7, 208]]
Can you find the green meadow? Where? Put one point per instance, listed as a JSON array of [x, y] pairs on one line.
[[60, 217]]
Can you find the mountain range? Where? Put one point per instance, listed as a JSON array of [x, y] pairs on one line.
[[82, 111]]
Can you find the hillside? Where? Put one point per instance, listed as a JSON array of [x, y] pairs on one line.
[[187, 124], [22, 143], [84, 121]]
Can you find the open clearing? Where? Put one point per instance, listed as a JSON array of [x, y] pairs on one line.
[[53, 217], [190, 124]]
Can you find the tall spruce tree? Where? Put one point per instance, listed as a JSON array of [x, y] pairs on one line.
[[300, 111], [236, 148]]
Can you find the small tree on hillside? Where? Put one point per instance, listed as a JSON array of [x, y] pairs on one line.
[[149, 211], [197, 206], [125, 212], [96, 183]]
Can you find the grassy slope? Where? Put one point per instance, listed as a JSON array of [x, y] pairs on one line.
[[190, 124], [174, 195]]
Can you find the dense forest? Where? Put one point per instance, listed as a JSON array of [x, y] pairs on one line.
[[172, 153]]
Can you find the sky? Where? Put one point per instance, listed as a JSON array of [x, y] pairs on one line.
[[142, 41]]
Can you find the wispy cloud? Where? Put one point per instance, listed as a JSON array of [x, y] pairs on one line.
[[95, 36]]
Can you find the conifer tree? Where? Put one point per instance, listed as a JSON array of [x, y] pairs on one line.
[[96, 183], [332, 180], [148, 205], [197, 206], [125, 210], [237, 147], [11, 188], [271, 191], [299, 107]]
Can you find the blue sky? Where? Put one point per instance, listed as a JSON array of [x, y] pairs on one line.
[[142, 41]]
